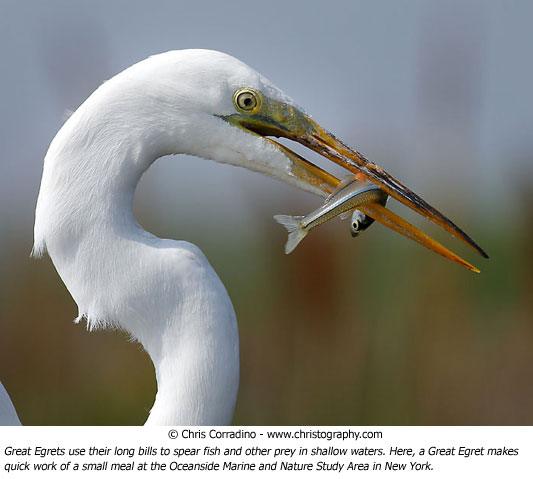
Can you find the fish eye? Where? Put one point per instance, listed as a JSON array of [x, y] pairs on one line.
[[245, 99]]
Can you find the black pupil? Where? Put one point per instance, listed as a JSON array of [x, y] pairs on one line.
[[247, 101]]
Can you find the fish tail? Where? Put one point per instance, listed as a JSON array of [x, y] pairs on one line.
[[294, 226]]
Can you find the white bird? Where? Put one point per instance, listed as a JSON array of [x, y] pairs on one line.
[[165, 293]]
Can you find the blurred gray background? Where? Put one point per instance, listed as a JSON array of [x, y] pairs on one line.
[[373, 330]]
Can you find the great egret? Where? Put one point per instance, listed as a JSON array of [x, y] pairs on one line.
[[164, 293]]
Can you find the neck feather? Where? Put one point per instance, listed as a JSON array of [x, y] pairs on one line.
[[162, 292]]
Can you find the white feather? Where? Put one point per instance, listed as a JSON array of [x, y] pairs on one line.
[[163, 292]]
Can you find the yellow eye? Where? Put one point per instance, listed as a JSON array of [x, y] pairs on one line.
[[245, 99]]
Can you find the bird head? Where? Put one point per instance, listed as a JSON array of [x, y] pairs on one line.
[[238, 113]]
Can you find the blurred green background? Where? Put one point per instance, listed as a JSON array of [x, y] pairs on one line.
[[373, 330]]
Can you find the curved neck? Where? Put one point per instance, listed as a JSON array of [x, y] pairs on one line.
[[162, 292]]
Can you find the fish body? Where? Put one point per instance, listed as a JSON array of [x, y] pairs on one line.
[[347, 198]]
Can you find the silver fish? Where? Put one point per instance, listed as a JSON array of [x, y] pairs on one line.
[[347, 198]]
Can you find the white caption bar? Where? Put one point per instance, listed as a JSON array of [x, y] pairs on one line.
[[287, 451]]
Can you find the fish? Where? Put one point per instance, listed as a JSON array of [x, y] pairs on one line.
[[346, 198]]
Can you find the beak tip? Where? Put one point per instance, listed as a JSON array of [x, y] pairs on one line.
[[478, 248]]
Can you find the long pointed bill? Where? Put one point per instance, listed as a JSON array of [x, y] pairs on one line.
[[324, 143], [275, 118], [321, 179]]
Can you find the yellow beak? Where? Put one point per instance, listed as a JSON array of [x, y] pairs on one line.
[[281, 120]]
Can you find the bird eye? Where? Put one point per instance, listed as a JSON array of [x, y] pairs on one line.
[[245, 99]]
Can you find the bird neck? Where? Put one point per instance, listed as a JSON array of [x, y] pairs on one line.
[[84, 217], [163, 293], [197, 370]]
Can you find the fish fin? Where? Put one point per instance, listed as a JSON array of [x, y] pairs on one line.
[[296, 233]]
